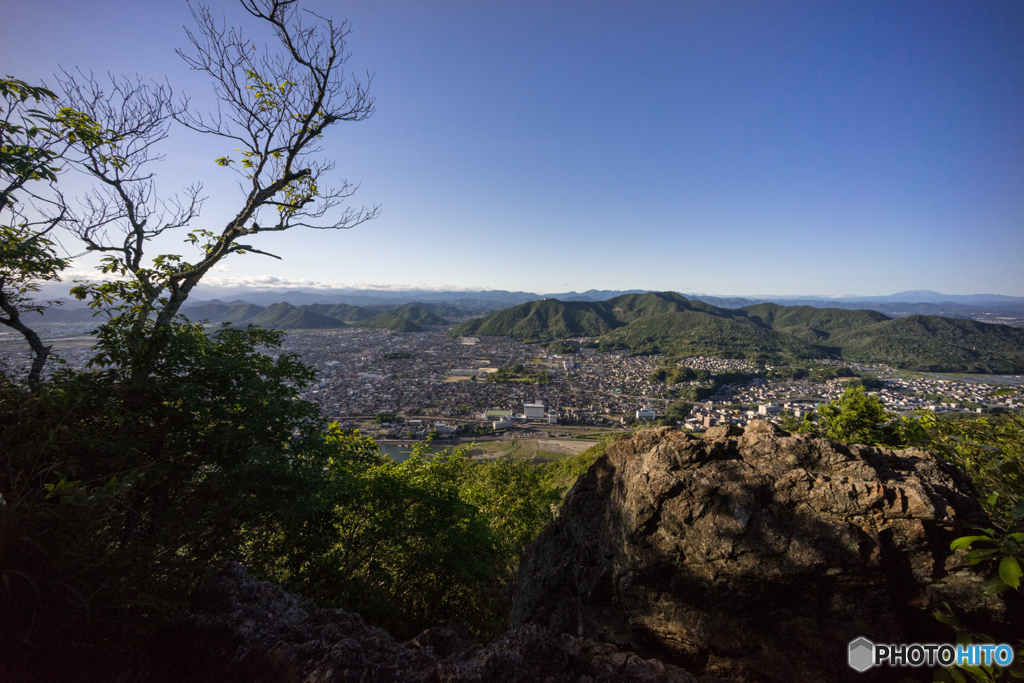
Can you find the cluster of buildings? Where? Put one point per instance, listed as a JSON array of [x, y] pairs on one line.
[[432, 383], [428, 374]]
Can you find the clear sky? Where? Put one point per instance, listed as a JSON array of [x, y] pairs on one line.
[[717, 147]]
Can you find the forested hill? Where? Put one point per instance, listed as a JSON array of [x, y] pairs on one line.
[[669, 323], [283, 316], [546, 319]]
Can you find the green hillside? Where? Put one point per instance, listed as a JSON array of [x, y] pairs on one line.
[[57, 314], [545, 320], [237, 314], [389, 321], [630, 307], [287, 317], [928, 343], [665, 322], [821, 323], [349, 314], [695, 333], [284, 316], [418, 316], [414, 313], [451, 310]]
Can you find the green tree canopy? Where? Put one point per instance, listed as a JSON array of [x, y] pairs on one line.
[[855, 417]]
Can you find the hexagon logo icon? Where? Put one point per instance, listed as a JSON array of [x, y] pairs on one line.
[[862, 654]]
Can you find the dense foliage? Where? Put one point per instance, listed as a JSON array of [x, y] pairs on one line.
[[120, 491], [518, 374], [678, 374], [395, 542], [561, 347], [676, 412]]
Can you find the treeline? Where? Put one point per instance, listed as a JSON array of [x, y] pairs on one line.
[[672, 374], [695, 393]]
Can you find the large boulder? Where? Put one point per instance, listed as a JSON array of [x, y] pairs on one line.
[[754, 555], [243, 630]]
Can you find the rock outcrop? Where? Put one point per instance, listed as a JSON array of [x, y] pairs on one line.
[[754, 555], [253, 631]]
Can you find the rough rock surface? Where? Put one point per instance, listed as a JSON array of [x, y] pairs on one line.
[[253, 631], [755, 555]]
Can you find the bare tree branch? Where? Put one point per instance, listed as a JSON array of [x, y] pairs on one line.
[[274, 108]]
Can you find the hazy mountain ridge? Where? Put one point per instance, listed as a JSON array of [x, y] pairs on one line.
[[669, 323], [285, 316], [984, 307]]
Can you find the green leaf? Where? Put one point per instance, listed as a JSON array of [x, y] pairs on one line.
[[956, 676], [965, 541], [945, 618], [981, 554], [994, 586], [1010, 572]]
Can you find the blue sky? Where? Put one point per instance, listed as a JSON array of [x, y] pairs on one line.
[[716, 147]]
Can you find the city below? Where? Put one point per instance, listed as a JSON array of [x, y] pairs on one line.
[[404, 387]]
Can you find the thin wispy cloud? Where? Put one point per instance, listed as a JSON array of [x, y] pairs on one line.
[[274, 282]]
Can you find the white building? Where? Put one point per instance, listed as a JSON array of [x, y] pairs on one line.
[[533, 411], [646, 413], [552, 418], [768, 409]]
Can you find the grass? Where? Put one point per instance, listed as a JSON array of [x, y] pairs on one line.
[[518, 449]]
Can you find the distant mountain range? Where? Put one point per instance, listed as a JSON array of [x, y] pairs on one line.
[[370, 297], [377, 297], [984, 307], [911, 335], [926, 296], [666, 322], [915, 302], [284, 316]]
